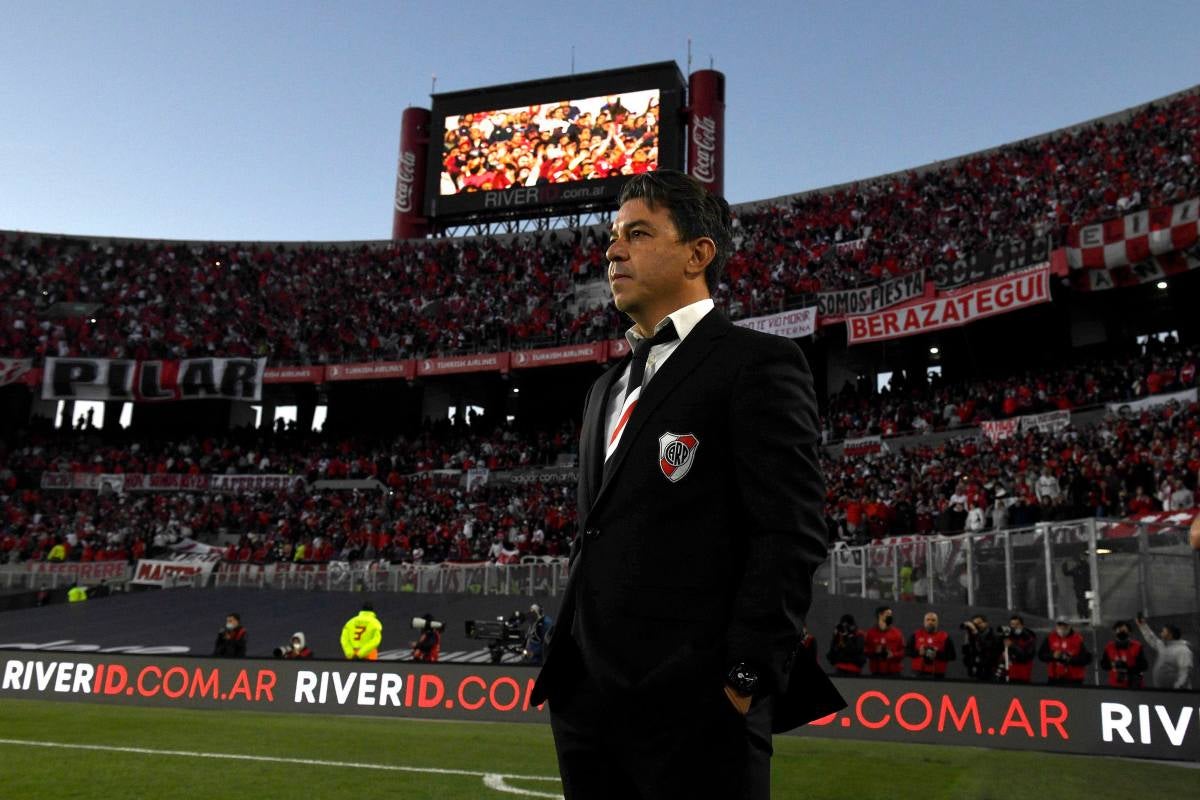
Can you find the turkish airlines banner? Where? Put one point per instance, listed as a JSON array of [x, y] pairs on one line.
[[985, 265], [835, 306], [87, 573], [180, 569], [554, 356], [370, 371], [617, 348], [13, 370], [1134, 237], [155, 482], [153, 381], [794, 324], [1094, 721], [1155, 268], [953, 308], [485, 362], [294, 375]]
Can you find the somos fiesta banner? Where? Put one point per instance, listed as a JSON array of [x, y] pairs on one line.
[[153, 381], [1138, 724], [835, 306], [953, 308]]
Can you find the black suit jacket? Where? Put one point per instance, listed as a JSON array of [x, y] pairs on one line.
[[697, 551]]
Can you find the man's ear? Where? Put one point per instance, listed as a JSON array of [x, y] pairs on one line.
[[704, 250]]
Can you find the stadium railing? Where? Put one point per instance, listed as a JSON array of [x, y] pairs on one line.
[[1088, 570]]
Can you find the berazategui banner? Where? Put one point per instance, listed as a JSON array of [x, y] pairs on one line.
[[153, 381], [953, 308]]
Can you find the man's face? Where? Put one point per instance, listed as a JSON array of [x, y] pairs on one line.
[[980, 623], [931, 622], [1016, 625], [647, 260], [1166, 635], [231, 622]]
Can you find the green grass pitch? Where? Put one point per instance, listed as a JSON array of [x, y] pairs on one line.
[[289, 756]]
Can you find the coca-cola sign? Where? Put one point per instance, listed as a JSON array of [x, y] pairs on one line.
[[406, 173], [704, 141]]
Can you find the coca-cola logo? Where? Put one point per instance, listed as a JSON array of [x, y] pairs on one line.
[[704, 149], [406, 173]]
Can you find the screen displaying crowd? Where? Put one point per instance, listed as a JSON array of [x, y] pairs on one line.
[[568, 140]]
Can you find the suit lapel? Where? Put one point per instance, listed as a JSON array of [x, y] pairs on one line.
[[690, 354], [591, 436]]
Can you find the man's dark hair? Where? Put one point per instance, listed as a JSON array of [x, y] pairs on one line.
[[236, 616], [1176, 634], [694, 211], [368, 606], [882, 609], [1018, 618], [1122, 623]]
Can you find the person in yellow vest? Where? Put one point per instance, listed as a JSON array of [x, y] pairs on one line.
[[362, 634], [57, 553], [76, 594], [301, 553]]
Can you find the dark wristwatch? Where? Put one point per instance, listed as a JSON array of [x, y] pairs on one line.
[[743, 679]]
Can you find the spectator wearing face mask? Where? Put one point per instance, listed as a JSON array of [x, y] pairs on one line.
[[884, 645], [1066, 656], [231, 640], [930, 649], [1124, 658], [1173, 656]]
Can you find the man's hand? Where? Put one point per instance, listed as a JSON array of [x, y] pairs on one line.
[[740, 701]]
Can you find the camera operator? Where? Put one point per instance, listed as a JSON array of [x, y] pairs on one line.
[[296, 648], [930, 649], [846, 650], [884, 645], [1124, 658], [1020, 648], [428, 647], [231, 640], [1065, 655], [540, 626], [982, 649]]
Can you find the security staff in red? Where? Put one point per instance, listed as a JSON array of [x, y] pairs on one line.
[[1020, 648], [1065, 655], [884, 645], [1124, 658], [930, 649]]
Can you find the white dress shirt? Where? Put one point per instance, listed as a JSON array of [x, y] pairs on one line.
[[685, 320]]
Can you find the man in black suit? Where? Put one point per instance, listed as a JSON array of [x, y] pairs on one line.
[[701, 516]]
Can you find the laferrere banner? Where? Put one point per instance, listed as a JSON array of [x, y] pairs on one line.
[[834, 306], [953, 308], [153, 381], [1095, 721]]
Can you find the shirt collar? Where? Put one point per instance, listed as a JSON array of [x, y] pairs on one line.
[[684, 318]]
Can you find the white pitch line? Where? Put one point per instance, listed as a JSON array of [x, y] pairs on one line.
[[492, 780]]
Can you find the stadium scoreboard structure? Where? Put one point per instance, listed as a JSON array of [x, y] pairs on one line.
[[553, 147]]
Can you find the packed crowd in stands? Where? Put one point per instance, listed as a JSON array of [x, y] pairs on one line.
[[344, 303], [1121, 466], [923, 404], [419, 516]]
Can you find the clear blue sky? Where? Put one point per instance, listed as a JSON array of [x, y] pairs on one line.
[[271, 120]]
